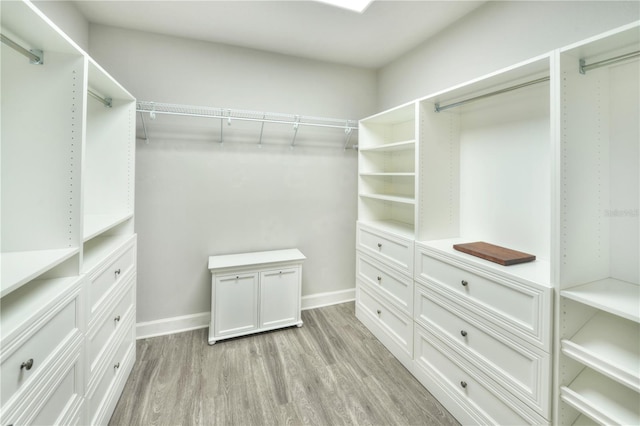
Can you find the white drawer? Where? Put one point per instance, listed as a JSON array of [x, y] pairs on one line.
[[391, 285], [110, 322], [393, 323], [104, 392], [522, 369], [391, 249], [105, 277], [518, 308], [477, 397], [47, 337]]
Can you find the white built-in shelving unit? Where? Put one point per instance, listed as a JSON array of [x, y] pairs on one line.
[[67, 184], [541, 157], [598, 328]]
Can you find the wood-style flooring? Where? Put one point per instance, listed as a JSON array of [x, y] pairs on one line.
[[331, 371]]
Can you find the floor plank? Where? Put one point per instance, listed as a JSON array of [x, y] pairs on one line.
[[331, 371]]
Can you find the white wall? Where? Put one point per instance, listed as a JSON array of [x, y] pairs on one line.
[[66, 16], [195, 197], [492, 37]]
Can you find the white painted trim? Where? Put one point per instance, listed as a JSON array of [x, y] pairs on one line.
[[319, 300], [172, 325], [179, 324]]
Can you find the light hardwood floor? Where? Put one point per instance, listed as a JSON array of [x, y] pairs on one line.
[[331, 371]]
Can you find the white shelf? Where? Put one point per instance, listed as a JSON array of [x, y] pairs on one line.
[[390, 147], [537, 272], [610, 295], [100, 248], [18, 268], [389, 174], [401, 229], [392, 198], [602, 399], [96, 224], [21, 304], [610, 345]]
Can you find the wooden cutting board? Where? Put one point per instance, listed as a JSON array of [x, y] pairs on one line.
[[493, 253]]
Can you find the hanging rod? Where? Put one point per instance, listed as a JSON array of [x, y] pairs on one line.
[[439, 108], [242, 115], [35, 56], [584, 67], [108, 102]]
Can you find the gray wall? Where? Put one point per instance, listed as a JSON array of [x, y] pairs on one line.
[[494, 36], [195, 197]]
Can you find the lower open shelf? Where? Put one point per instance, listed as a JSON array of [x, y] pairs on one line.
[[602, 399], [20, 267]]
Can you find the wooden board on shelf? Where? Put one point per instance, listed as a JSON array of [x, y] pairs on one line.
[[501, 255]]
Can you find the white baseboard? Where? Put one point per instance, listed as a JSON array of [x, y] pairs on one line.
[[179, 324], [172, 325], [319, 300]]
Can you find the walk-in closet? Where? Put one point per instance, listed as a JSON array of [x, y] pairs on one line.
[[319, 212]]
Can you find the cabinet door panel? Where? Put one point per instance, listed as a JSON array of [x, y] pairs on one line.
[[236, 304], [279, 297]]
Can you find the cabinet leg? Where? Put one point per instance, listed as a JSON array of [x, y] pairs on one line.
[[299, 325]]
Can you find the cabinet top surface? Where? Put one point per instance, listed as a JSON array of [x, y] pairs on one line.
[[255, 258]]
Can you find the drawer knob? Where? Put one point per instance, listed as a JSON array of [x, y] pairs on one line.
[[379, 245], [464, 333], [116, 366], [27, 364], [117, 272], [379, 278], [117, 319], [463, 384], [379, 311], [464, 283]]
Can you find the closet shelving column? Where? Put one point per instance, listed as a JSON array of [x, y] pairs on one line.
[[386, 227], [482, 331], [598, 345]]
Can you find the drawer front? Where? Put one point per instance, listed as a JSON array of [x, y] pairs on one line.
[[391, 249], [391, 285], [39, 349], [235, 304], [518, 308], [476, 393], [61, 399], [109, 275], [395, 324], [279, 297], [101, 393], [522, 369], [108, 325]]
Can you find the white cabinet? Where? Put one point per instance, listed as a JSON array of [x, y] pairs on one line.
[[598, 305], [67, 285], [254, 292]]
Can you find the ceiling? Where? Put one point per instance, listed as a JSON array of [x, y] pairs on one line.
[[304, 28]]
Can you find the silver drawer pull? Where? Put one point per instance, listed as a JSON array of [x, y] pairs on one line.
[[117, 272], [464, 333], [379, 311], [379, 278], [116, 366], [379, 245], [463, 384], [237, 277], [27, 364], [117, 319], [464, 283]]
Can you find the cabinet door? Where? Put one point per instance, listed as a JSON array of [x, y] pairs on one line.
[[279, 298], [236, 304]]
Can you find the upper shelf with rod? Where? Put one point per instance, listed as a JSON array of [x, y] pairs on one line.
[[226, 116]]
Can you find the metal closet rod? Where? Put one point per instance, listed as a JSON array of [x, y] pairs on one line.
[[229, 114], [35, 56], [439, 108], [584, 67], [108, 102]]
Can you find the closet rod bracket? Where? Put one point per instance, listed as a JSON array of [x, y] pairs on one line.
[[36, 56]]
